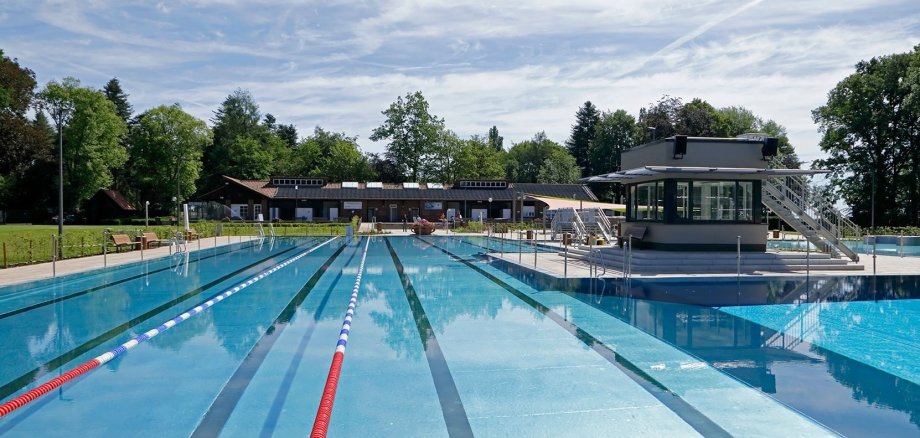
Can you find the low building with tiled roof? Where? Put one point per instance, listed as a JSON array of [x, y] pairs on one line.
[[313, 198]]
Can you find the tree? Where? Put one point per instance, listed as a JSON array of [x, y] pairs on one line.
[[579, 143], [559, 168], [659, 119], [385, 169], [412, 132], [243, 147], [117, 96], [443, 162], [871, 131], [345, 162], [288, 133], [614, 133], [496, 141], [91, 139], [526, 158], [24, 145], [735, 120], [167, 146], [697, 118], [480, 160]]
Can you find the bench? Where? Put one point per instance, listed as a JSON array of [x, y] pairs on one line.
[[152, 238], [191, 234], [121, 240], [637, 232]]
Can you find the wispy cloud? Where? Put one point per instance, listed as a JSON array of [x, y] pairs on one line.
[[524, 66]]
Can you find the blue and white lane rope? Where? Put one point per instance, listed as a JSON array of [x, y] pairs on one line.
[[37, 392], [324, 413]]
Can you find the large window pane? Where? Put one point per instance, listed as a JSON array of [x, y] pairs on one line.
[[745, 200], [713, 200], [682, 203], [645, 201]]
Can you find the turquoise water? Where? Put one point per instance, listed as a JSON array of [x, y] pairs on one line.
[[443, 343], [887, 245]]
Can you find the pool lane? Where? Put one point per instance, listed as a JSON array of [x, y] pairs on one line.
[[386, 386], [517, 371], [734, 406], [164, 386], [52, 337]]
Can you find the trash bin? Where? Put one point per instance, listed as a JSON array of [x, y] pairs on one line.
[[776, 234], [379, 227], [529, 234], [566, 239]]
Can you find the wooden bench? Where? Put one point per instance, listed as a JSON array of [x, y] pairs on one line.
[[121, 240], [152, 238]]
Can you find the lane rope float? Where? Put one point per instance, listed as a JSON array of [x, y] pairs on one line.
[[324, 412], [33, 394]]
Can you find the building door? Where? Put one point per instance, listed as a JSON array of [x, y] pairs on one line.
[[394, 214], [333, 213]]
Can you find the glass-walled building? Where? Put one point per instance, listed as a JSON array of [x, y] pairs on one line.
[[697, 193]]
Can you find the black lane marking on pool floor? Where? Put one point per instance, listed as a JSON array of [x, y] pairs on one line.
[[458, 424], [274, 412], [53, 364], [672, 401], [95, 288], [223, 405]]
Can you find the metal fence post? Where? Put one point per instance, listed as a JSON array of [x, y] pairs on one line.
[[874, 242], [5, 265], [105, 249], [565, 269], [53, 256], [739, 256]]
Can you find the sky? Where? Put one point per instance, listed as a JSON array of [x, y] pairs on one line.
[[523, 66]]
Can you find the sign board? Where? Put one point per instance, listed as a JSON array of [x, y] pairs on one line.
[[352, 205], [304, 214], [434, 205]]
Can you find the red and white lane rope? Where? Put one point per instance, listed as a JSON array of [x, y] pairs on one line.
[[323, 414], [27, 397]]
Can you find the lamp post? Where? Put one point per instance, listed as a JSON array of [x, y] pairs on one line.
[[654, 132], [489, 211], [60, 110], [146, 215], [176, 201]]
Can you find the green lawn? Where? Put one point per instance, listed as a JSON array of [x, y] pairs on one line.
[[25, 244]]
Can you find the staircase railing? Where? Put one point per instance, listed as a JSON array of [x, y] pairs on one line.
[[797, 203]]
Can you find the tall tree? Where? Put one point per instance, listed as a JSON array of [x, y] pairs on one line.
[[288, 133], [525, 159], [91, 140], [697, 118], [243, 147], [24, 145], [385, 169], [167, 146], [412, 132], [614, 133], [559, 168], [496, 141], [480, 160], [119, 98], [871, 132], [579, 143], [345, 162], [443, 164], [659, 119]]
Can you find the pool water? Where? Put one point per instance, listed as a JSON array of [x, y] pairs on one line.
[[446, 342]]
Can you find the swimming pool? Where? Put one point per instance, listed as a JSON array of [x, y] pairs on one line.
[[443, 343]]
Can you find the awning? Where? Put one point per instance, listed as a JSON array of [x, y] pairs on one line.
[[557, 203], [641, 174]]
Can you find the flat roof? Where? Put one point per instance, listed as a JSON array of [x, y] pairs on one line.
[[647, 173]]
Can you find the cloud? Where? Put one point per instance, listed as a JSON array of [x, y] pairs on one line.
[[523, 66]]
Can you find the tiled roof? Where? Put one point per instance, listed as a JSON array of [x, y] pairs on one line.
[[395, 191], [119, 199]]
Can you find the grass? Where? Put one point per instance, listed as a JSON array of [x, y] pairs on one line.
[[24, 244]]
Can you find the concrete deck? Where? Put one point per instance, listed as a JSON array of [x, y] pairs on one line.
[[555, 265], [40, 271]]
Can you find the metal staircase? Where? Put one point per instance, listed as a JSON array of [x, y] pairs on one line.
[[795, 202], [581, 223]]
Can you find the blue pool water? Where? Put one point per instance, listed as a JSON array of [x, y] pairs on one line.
[[445, 342], [908, 246]]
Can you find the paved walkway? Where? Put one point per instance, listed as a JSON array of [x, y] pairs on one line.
[[556, 265], [40, 271]]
